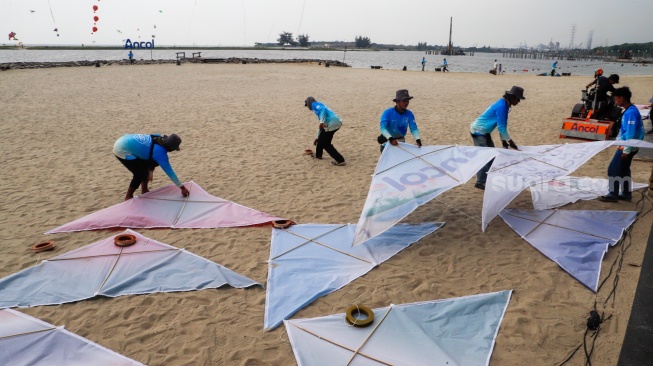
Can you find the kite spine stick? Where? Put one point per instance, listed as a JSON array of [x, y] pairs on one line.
[[26, 333], [439, 169]]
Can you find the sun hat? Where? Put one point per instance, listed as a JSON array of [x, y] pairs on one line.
[[517, 92], [402, 94], [172, 142], [309, 102]]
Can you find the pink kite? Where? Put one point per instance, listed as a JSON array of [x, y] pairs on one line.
[[167, 208]]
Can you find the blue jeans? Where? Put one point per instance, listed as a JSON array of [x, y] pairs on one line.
[[483, 141], [619, 175]]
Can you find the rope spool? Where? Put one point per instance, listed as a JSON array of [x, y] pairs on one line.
[[352, 318], [124, 240], [43, 246], [282, 224]]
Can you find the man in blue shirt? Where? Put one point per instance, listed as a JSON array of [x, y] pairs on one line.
[[395, 121], [141, 153], [496, 116], [631, 128], [330, 123]]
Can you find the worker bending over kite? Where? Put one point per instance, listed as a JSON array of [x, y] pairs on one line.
[[632, 127], [496, 116], [142, 153], [395, 121]]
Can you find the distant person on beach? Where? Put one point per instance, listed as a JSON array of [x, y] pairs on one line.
[[141, 153], [131, 57], [423, 63], [444, 65], [496, 116], [553, 68], [396, 121], [330, 123], [500, 72], [632, 127], [494, 67], [650, 118]]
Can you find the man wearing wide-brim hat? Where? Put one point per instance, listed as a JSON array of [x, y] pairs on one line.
[[396, 121], [496, 116]]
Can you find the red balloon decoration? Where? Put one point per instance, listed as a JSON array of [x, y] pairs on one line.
[[95, 8], [94, 29], [95, 18]]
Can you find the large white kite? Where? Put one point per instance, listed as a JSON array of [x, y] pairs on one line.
[[407, 177], [167, 208], [311, 260], [105, 269], [564, 190], [511, 174], [459, 331], [575, 240], [25, 340]]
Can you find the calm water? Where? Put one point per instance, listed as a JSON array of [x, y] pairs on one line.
[[396, 60]]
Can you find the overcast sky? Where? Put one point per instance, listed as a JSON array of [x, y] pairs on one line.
[[497, 23]]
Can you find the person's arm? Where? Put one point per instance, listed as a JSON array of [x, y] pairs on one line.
[[414, 130], [629, 128], [501, 114], [161, 157], [385, 123]]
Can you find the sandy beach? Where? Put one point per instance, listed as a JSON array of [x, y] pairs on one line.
[[244, 128]]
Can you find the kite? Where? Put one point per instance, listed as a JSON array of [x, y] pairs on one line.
[[575, 240], [311, 260], [561, 191], [25, 340], [510, 175], [112, 268], [407, 177], [12, 35], [457, 331], [166, 208]]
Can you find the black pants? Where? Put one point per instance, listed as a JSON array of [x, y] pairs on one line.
[[324, 143], [139, 169]]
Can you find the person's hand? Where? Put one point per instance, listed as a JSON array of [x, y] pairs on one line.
[[624, 156], [393, 141], [512, 144], [419, 142], [315, 142], [322, 126], [505, 144], [184, 191]]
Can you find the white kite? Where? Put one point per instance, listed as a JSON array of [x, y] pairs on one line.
[[512, 174], [575, 240], [564, 190], [25, 340], [107, 269], [407, 177], [459, 331], [166, 208], [311, 260]]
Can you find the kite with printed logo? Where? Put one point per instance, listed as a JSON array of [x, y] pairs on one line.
[[510, 174], [408, 176]]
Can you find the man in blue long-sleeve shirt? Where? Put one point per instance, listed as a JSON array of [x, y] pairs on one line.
[[619, 168], [496, 116], [141, 153], [330, 123], [396, 121]]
